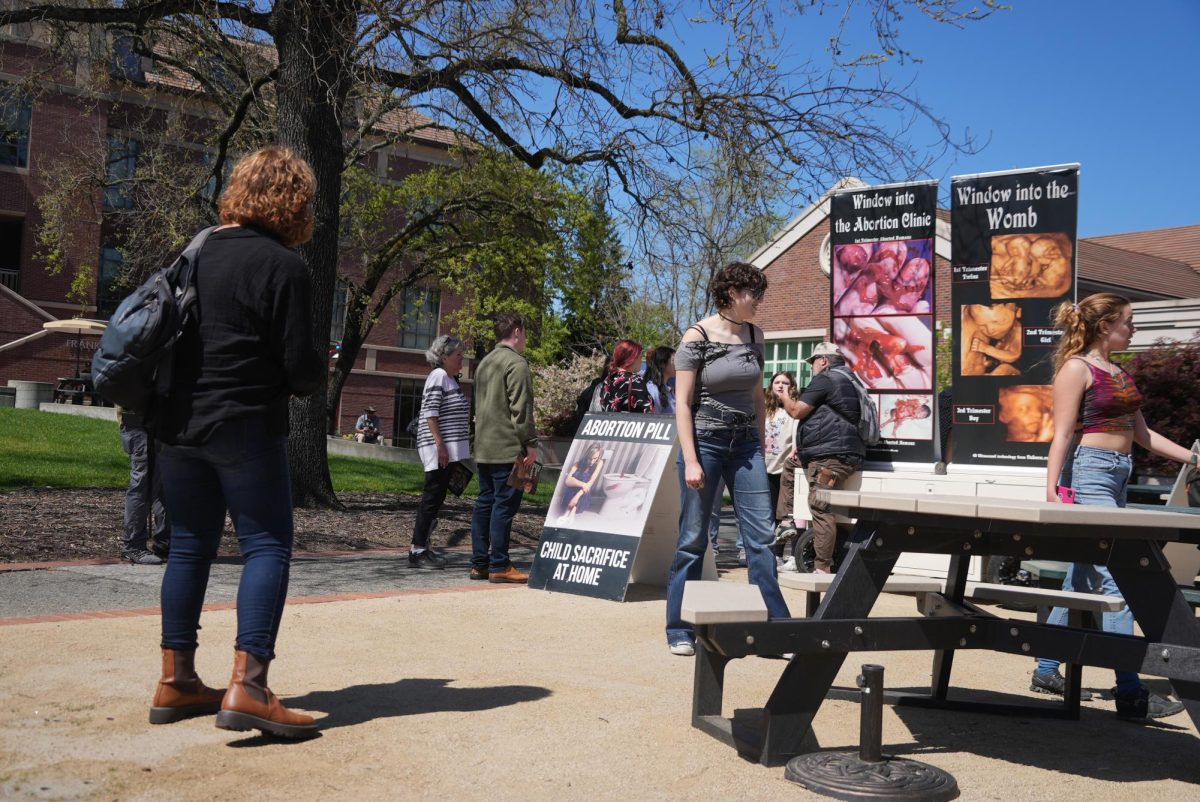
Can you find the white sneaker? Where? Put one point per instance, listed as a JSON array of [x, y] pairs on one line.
[[789, 565], [683, 648]]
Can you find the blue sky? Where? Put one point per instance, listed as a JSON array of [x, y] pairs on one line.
[[1111, 85]]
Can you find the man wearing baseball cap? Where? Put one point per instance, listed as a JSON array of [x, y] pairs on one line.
[[829, 444], [366, 428]]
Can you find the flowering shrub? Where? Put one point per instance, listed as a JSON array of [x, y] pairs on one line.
[[557, 387], [1168, 375]]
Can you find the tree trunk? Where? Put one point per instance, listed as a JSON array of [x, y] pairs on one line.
[[314, 38], [352, 341]]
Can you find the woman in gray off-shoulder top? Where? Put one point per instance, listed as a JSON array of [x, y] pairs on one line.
[[720, 413]]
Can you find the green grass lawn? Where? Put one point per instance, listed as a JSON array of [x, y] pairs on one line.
[[44, 449]]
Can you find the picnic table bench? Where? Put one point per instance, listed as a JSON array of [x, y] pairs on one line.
[[77, 390], [1127, 540]]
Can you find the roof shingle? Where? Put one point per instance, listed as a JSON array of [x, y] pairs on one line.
[[1179, 244]]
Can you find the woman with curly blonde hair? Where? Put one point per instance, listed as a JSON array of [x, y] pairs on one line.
[[224, 434], [1097, 405]]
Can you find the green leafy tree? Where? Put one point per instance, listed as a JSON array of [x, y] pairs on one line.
[[1168, 375], [594, 85], [488, 228]]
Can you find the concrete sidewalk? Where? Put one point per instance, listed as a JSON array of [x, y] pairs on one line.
[[443, 688], [80, 587]]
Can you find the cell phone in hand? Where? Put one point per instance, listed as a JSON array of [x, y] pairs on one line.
[[1066, 494]]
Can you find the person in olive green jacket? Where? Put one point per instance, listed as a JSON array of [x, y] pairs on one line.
[[504, 434]]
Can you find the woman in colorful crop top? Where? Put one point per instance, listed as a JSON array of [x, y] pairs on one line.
[[1096, 400], [719, 413]]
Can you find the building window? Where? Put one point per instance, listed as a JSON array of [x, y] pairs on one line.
[[419, 317], [337, 323], [108, 289], [122, 164], [11, 234], [788, 355], [16, 111], [126, 61], [408, 406]]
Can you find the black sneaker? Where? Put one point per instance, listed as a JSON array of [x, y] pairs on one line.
[[141, 557], [1055, 684], [428, 558], [160, 549], [1145, 705]]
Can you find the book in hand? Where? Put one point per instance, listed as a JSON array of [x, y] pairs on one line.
[[525, 477], [460, 477]]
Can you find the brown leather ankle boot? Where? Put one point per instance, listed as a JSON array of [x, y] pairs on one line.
[[250, 705], [180, 692]]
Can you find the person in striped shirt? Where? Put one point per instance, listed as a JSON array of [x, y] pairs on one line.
[[442, 439]]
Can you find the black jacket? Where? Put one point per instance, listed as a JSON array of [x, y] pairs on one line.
[[832, 427], [254, 345]]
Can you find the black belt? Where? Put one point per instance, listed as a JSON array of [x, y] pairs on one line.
[[732, 418]]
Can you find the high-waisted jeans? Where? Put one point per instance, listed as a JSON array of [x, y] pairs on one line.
[[244, 469], [736, 456], [1099, 477]]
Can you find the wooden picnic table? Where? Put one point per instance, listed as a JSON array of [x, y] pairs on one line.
[[1126, 540]]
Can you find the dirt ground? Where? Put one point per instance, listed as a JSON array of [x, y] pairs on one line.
[[50, 524]]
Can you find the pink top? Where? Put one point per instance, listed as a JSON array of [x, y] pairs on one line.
[[1110, 403]]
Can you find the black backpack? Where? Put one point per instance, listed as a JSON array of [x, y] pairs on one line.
[[132, 367]]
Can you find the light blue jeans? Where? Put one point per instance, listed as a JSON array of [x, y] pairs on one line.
[[734, 455], [1099, 477]]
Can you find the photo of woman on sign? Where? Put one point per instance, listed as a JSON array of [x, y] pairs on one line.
[[577, 486], [607, 486]]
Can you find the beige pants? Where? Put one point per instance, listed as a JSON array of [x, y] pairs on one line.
[[787, 490]]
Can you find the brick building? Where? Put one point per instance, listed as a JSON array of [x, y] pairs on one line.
[[1145, 266], [42, 118]]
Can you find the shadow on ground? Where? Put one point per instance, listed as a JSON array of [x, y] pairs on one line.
[[638, 592], [358, 704], [1099, 745]]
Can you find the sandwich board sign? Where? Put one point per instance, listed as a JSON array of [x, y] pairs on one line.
[[614, 515]]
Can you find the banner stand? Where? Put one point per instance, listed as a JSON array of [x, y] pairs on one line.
[[661, 535], [614, 515]]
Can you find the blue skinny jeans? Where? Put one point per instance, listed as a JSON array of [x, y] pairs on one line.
[[244, 469]]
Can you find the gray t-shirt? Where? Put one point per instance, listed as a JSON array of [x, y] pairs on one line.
[[727, 377]]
